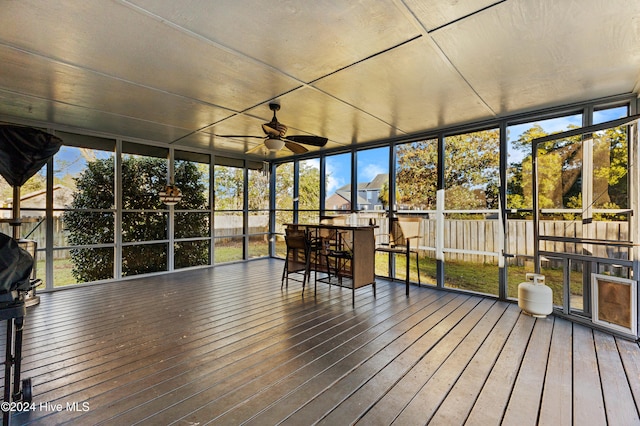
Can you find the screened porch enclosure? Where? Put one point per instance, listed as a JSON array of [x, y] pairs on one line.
[[477, 235], [569, 217], [194, 134]]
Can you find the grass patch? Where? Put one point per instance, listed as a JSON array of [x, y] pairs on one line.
[[477, 277]]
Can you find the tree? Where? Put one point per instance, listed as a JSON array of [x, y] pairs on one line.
[[229, 188], [6, 191], [610, 170], [560, 168], [471, 167], [383, 197], [142, 179], [258, 189], [417, 174]]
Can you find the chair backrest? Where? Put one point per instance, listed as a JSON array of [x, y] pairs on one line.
[[331, 234], [293, 230], [296, 240], [410, 226], [404, 227]]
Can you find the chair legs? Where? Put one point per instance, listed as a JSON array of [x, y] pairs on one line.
[[306, 271], [408, 262], [408, 266], [418, 268]]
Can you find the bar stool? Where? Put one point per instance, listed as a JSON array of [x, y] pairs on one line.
[[297, 260]]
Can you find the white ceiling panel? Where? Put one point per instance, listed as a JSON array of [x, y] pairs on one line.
[[122, 43], [314, 112], [40, 77], [34, 109], [436, 13], [410, 87], [309, 109], [523, 54], [304, 39]]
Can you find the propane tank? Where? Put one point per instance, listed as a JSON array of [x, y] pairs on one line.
[[534, 297]]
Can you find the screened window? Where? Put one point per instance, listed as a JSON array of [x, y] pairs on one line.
[[471, 182], [416, 189], [229, 205], [309, 191], [83, 210], [519, 193], [338, 184], [145, 218], [258, 211], [192, 215]]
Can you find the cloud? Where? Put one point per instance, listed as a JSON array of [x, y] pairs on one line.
[[334, 179], [312, 162], [333, 183], [370, 171]]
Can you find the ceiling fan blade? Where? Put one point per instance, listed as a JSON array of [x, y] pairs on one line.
[[256, 149], [274, 129], [308, 140], [239, 136], [295, 147]]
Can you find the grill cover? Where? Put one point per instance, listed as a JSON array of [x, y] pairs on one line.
[[23, 151], [15, 265]]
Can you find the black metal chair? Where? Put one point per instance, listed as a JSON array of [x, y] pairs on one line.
[[401, 231]]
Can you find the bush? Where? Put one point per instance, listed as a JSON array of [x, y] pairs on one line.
[[142, 179]]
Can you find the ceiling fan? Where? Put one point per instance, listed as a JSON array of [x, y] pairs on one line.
[[275, 138]]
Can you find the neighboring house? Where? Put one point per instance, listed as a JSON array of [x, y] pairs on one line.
[[367, 199], [369, 193], [339, 200], [62, 197]]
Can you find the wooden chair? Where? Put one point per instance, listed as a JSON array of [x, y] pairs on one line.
[[298, 258], [401, 231]]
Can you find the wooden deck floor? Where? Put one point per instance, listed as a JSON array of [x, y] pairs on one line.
[[226, 346]]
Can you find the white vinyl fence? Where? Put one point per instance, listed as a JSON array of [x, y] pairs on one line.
[[481, 236]]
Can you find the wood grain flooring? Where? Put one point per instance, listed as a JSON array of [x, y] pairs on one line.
[[227, 346]]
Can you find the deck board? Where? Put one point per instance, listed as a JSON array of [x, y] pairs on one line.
[[522, 409], [434, 391], [404, 376], [588, 403], [226, 345], [459, 401], [313, 357], [559, 377], [631, 361], [338, 380], [494, 396], [373, 377], [616, 391]]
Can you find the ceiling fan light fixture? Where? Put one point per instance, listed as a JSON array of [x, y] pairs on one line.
[[273, 144]]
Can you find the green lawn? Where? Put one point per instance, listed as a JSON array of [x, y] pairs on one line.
[[477, 277]]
